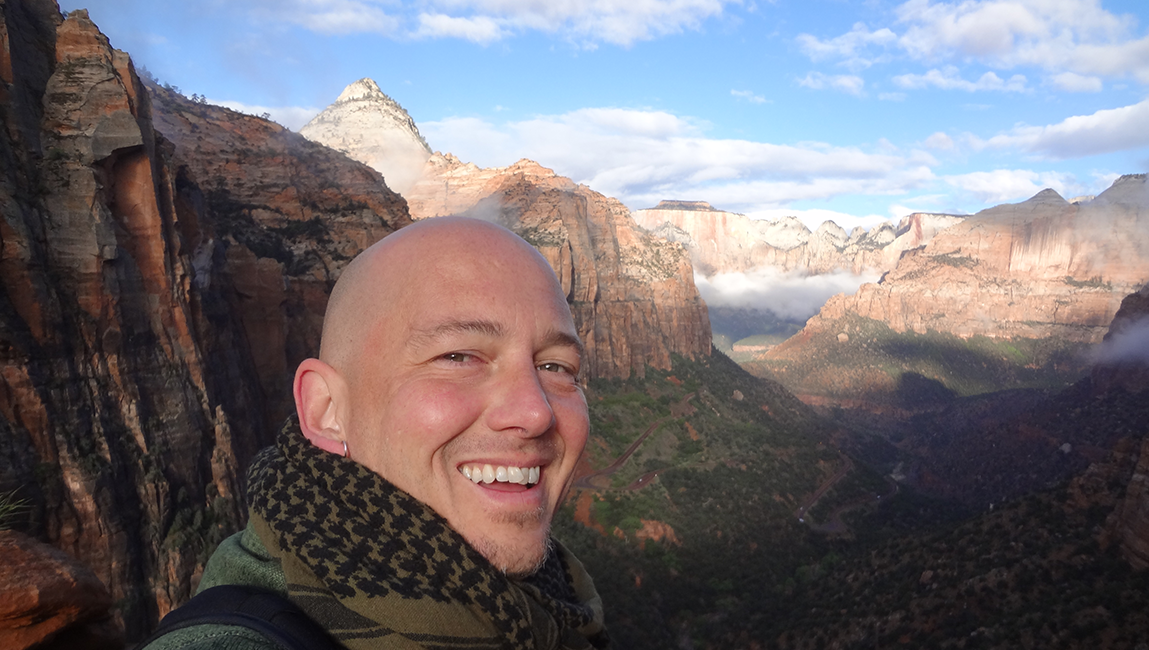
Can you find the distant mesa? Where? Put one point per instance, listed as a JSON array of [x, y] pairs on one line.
[[696, 206], [729, 242], [375, 130]]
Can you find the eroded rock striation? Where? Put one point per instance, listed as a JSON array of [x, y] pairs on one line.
[[155, 290], [725, 242], [374, 129], [286, 215], [632, 294]]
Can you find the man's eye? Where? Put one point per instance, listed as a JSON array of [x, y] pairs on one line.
[[456, 357], [555, 367]]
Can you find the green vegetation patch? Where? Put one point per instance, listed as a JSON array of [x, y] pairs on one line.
[[873, 362]]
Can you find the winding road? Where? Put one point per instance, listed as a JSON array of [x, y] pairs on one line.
[[600, 479]]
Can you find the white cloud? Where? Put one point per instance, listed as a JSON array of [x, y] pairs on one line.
[[892, 97], [851, 84], [1074, 83], [644, 156], [939, 141], [1128, 346], [1074, 43], [621, 22], [1067, 35], [949, 78], [848, 47], [331, 16], [478, 29], [293, 117], [790, 296], [748, 96], [1105, 131], [1012, 185]]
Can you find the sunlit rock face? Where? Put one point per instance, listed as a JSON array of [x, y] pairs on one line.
[[50, 601], [632, 294], [726, 242], [163, 266], [1038, 269], [374, 129]]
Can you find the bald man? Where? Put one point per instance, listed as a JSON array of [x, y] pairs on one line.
[[408, 505]]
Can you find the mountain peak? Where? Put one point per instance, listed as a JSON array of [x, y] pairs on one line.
[[1048, 195], [374, 129], [365, 88]]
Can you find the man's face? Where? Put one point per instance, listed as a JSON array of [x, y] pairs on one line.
[[465, 397]]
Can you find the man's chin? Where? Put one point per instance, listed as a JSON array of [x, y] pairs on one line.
[[517, 560]]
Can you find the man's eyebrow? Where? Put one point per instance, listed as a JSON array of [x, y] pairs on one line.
[[447, 328], [557, 338], [553, 338]]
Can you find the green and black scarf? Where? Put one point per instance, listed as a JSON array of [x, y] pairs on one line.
[[379, 569]]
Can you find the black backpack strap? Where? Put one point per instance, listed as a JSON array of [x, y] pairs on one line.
[[269, 613]]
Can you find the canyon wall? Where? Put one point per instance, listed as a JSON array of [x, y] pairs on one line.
[[632, 294], [724, 242], [1038, 269], [155, 293]]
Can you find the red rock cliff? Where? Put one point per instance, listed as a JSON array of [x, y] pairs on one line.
[[154, 295], [632, 295], [287, 214]]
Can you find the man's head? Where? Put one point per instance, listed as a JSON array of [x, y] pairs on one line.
[[448, 366]]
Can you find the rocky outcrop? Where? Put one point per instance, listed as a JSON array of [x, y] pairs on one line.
[[725, 242], [1039, 269], [372, 128], [155, 293], [632, 294], [49, 601], [1128, 371], [1122, 359]]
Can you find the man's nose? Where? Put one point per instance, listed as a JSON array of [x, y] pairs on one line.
[[521, 403]]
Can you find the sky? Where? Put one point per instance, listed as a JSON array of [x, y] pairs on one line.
[[859, 112]]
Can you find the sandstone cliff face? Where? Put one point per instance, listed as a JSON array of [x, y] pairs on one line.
[[374, 129], [150, 300], [632, 295], [724, 242], [1039, 269], [287, 214]]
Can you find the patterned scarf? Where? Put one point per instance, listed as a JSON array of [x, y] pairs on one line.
[[379, 569]]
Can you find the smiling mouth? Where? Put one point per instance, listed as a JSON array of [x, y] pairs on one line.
[[501, 474]]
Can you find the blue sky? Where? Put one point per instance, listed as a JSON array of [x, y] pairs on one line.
[[854, 111]]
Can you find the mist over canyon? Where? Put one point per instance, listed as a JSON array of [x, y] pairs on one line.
[[933, 420]]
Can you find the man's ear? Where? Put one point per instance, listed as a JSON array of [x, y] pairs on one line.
[[319, 400]]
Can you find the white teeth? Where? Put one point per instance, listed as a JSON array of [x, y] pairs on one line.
[[501, 473]]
